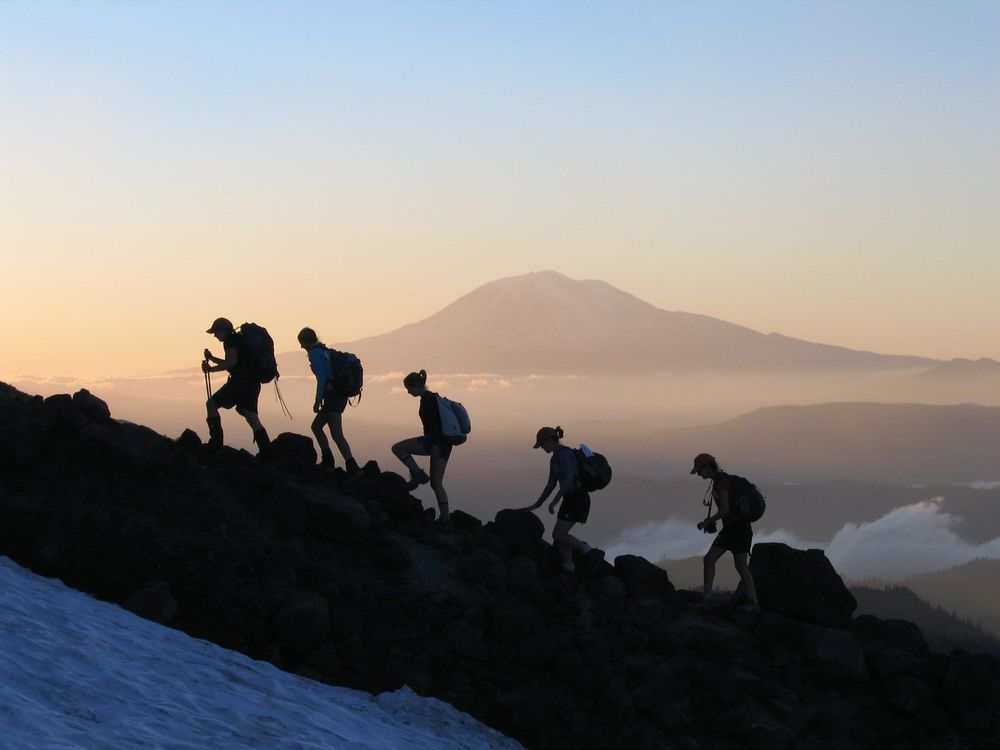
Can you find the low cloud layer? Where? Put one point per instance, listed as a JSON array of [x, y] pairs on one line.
[[910, 540]]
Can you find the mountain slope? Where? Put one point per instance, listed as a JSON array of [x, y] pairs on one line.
[[973, 589], [903, 443], [944, 630], [546, 322]]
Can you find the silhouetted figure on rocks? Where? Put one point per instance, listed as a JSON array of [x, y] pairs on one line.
[[329, 404], [575, 507], [241, 390], [433, 443], [736, 535]]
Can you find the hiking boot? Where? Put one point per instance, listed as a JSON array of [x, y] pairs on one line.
[[214, 433], [752, 608], [263, 442], [352, 467], [417, 478], [326, 462]]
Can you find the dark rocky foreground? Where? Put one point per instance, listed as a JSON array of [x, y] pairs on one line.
[[347, 581]]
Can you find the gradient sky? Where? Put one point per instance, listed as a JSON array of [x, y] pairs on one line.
[[823, 169]]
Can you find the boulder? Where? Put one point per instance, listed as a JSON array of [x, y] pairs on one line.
[[967, 685], [292, 452], [331, 513], [522, 573], [801, 584], [155, 602], [189, 441], [302, 622], [91, 405], [483, 567], [511, 621], [907, 695], [642, 578], [518, 527], [878, 635]]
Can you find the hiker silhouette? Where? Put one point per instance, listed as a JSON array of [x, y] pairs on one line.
[[434, 443], [329, 404], [736, 535], [573, 500], [241, 389]]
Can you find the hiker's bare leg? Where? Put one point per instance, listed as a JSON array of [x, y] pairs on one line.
[[746, 577], [438, 465], [336, 422], [710, 559], [213, 410], [251, 417], [566, 542], [406, 449], [317, 430]]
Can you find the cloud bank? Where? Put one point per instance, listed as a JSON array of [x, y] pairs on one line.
[[907, 541]]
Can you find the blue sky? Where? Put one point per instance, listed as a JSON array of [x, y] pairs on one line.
[[836, 156]]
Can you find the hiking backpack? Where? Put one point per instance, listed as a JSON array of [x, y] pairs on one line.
[[745, 501], [593, 469], [455, 422], [259, 348], [348, 374]]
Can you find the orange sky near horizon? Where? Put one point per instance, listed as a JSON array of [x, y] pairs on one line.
[[821, 171]]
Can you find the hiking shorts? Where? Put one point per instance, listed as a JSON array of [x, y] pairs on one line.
[[239, 392], [444, 447], [735, 537], [575, 507], [333, 403]]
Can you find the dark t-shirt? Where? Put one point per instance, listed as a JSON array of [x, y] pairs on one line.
[[723, 484], [430, 416], [235, 341]]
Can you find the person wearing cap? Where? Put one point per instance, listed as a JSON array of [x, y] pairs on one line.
[[736, 535], [241, 389], [575, 507], [329, 404]]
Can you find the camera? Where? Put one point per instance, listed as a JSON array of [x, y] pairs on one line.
[[708, 528]]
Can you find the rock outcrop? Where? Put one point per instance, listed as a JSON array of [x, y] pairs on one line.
[[348, 581]]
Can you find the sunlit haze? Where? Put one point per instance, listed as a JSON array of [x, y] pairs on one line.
[[824, 170]]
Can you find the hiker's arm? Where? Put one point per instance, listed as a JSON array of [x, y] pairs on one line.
[[225, 364], [550, 485], [723, 503], [316, 364], [555, 500]]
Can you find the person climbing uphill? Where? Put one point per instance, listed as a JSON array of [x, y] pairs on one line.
[[736, 535], [433, 443], [241, 389], [575, 501], [328, 405]]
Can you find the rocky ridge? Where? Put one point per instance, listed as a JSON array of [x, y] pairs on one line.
[[348, 581]]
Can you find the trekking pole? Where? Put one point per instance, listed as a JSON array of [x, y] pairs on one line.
[[208, 384]]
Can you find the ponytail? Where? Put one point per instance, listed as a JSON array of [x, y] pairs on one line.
[[416, 379]]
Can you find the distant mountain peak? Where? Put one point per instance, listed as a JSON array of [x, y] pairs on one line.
[[547, 322]]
